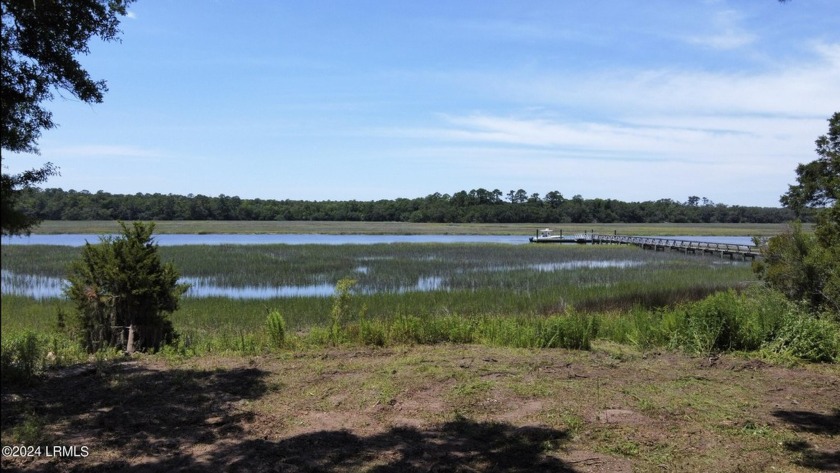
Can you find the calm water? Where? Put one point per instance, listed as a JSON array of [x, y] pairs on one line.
[[266, 239], [310, 239]]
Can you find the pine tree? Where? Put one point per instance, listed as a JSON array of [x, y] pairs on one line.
[[124, 293]]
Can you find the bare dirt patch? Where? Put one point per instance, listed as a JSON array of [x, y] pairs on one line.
[[442, 408]]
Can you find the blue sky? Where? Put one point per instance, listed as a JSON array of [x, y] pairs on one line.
[[339, 100]]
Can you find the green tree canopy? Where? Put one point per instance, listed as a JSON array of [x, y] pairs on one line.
[[807, 267], [818, 182], [40, 41]]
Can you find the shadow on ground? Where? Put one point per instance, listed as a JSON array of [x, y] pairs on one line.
[[461, 445], [136, 419], [129, 411], [814, 423]]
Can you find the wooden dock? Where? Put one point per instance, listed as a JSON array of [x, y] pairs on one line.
[[721, 250]]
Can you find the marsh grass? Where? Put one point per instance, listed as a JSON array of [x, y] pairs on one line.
[[598, 277], [39, 260], [529, 296], [479, 285]]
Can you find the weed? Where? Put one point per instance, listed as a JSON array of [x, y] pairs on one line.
[[574, 331], [751, 428], [627, 448], [276, 325], [341, 308], [574, 423], [534, 388], [729, 321], [472, 388], [22, 357], [181, 349], [29, 431]]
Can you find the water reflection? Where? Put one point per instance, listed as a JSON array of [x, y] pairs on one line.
[[429, 283], [201, 287], [43, 287], [550, 267], [38, 287]]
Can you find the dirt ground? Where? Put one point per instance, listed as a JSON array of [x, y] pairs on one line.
[[428, 409]]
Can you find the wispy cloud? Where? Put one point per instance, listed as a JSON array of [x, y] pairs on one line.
[[97, 151], [560, 135], [794, 88], [753, 126], [691, 140], [726, 33], [510, 30]]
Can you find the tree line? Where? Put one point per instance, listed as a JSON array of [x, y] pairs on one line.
[[474, 206]]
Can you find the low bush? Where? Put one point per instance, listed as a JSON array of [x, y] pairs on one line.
[[22, 357], [729, 321], [808, 338]]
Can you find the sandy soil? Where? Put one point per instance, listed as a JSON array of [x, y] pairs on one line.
[[430, 409]]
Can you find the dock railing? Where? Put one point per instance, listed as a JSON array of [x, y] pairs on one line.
[[685, 246]]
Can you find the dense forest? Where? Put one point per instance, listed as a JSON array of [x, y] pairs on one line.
[[475, 206]]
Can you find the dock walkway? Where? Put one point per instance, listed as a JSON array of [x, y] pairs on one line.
[[685, 246]]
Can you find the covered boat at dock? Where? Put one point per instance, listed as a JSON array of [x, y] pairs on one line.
[[547, 235]]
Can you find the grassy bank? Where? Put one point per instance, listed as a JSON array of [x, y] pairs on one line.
[[403, 228], [757, 321]]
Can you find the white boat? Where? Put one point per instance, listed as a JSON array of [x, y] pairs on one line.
[[547, 235]]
